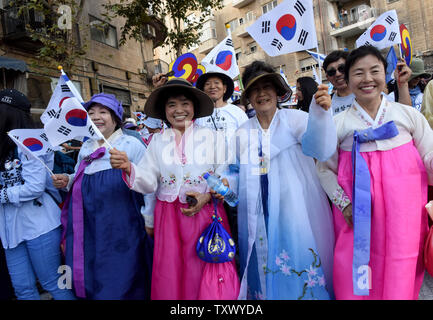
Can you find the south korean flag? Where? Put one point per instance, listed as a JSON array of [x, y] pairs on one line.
[[383, 33], [70, 122], [289, 27]]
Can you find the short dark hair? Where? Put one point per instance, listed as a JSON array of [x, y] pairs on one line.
[[334, 56], [174, 93], [362, 52]]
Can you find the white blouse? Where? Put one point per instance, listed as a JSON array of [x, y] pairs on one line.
[[173, 169], [411, 125]]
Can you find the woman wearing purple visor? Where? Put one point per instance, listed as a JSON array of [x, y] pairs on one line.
[[104, 232]]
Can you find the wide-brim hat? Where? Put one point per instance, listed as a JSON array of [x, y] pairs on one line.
[[417, 67], [154, 107], [280, 84], [224, 78]]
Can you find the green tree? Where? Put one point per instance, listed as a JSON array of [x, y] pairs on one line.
[[55, 31], [138, 13]]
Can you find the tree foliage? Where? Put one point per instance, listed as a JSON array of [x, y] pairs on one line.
[[138, 13], [58, 45]]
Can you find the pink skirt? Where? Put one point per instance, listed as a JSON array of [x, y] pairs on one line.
[[178, 273], [399, 225]]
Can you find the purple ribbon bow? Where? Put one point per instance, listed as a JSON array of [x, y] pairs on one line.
[[77, 223]]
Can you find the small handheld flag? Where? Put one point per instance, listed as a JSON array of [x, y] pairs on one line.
[[383, 33], [70, 122], [64, 89], [289, 27], [33, 143], [222, 59]]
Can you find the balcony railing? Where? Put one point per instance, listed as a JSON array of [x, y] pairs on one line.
[[354, 23], [207, 45], [241, 3], [246, 59], [241, 31]]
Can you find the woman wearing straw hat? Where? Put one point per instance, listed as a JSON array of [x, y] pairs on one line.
[[105, 237], [285, 223], [173, 168]]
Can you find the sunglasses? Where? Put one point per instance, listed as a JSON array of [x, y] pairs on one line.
[[332, 72]]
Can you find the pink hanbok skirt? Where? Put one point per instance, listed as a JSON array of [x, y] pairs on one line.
[[399, 225], [178, 273]]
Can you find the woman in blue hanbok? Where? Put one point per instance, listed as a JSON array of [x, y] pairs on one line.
[[105, 236], [285, 223]]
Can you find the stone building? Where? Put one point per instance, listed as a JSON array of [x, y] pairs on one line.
[[124, 71]]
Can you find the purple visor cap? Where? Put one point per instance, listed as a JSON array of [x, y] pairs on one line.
[[107, 100]]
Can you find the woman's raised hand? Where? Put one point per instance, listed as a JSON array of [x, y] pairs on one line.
[[119, 160], [322, 97], [60, 181]]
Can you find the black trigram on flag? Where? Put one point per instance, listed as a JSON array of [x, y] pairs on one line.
[[303, 37], [229, 42], [266, 26], [367, 43], [392, 36], [52, 113], [277, 43], [65, 88], [389, 19], [63, 130], [91, 130], [44, 137], [300, 8]]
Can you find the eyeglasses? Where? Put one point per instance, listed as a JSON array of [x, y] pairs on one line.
[[332, 72]]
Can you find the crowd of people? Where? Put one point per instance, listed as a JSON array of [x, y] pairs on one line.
[[331, 194]]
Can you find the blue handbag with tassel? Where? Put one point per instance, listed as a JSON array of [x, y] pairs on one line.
[[215, 245]]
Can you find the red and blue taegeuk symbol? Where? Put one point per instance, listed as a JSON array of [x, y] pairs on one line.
[[378, 33], [76, 118], [224, 60], [33, 144], [286, 26]]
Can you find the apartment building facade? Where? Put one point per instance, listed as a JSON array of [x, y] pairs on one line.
[[124, 71]]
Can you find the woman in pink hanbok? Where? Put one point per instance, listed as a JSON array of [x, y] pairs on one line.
[[377, 181], [173, 167]]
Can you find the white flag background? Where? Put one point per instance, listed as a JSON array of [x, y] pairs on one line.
[[383, 33], [61, 92], [222, 59], [289, 27], [33, 142], [70, 122]]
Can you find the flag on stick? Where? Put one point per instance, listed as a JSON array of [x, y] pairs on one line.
[[64, 89], [383, 33], [33, 143], [289, 27], [222, 59], [70, 122]]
